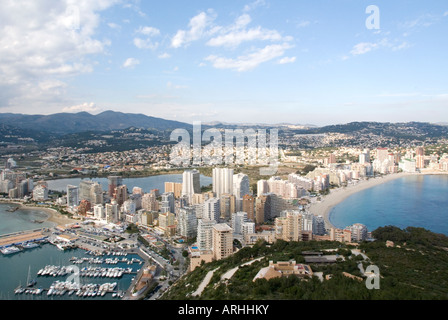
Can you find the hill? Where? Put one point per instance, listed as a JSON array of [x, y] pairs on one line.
[[66, 123], [414, 268]]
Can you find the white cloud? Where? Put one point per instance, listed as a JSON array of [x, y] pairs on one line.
[[149, 31], [286, 60], [85, 107], [131, 63], [147, 43], [198, 28], [403, 45], [114, 26], [363, 47], [303, 24], [249, 61], [164, 56], [254, 5], [425, 20], [235, 38], [445, 14], [235, 34], [174, 86], [42, 42]]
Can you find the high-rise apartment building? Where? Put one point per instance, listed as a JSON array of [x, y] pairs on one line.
[[222, 241], [420, 151], [114, 182], [99, 212], [382, 154], [222, 181], [72, 196], [240, 185], [166, 220], [211, 209], [205, 234], [289, 227], [262, 187], [358, 232], [319, 225], [263, 208], [191, 183], [249, 206], [175, 188], [149, 202], [227, 205], [120, 194], [40, 193], [187, 223], [167, 202], [238, 219], [111, 211]]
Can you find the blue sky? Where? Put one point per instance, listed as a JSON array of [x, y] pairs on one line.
[[301, 62]]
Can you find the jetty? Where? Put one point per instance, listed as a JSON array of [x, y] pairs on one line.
[[20, 238]]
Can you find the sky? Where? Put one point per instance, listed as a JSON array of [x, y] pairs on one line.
[[315, 62]]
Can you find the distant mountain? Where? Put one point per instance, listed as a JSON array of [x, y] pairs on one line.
[[408, 129], [220, 124], [65, 123]]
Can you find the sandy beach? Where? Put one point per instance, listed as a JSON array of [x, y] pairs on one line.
[[52, 215], [336, 196]]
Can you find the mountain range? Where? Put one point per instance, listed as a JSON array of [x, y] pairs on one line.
[[47, 128], [65, 123]]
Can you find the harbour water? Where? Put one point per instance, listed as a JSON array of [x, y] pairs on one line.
[[17, 269], [417, 201]]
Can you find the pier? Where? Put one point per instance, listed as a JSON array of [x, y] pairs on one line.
[[21, 237]]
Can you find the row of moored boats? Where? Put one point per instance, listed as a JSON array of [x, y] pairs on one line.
[[57, 271]]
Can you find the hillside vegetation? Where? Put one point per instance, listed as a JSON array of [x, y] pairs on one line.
[[415, 267]]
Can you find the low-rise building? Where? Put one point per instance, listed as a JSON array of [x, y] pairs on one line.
[[284, 269]]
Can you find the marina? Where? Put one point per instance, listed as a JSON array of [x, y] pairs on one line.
[[47, 271]]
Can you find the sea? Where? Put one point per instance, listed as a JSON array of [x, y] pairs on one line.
[[15, 269], [416, 201]]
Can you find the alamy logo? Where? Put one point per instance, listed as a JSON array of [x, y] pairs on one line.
[[373, 277], [373, 21], [240, 147], [74, 278]]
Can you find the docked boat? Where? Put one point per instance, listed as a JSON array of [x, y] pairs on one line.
[[30, 245], [9, 250]]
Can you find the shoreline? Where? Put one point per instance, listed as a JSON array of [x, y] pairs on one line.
[[53, 215], [336, 196]]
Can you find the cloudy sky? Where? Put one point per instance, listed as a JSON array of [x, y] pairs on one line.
[[296, 61]]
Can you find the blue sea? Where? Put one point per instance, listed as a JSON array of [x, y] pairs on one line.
[[417, 201]]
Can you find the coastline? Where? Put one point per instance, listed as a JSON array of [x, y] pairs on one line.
[[336, 196], [53, 215]]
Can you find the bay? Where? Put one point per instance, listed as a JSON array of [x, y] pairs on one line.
[[416, 201]]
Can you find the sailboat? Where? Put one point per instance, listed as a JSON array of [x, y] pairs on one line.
[[30, 282]]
